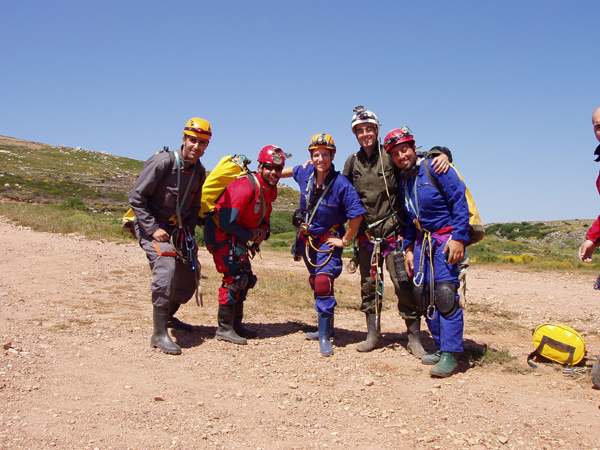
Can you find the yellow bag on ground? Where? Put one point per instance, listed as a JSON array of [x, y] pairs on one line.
[[559, 343]]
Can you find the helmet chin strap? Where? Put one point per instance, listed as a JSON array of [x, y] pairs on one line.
[[409, 173]]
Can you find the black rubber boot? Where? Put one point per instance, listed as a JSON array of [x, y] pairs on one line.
[[174, 322], [413, 331], [596, 373], [160, 337], [324, 327], [225, 332], [240, 329], [314, 336], [373, 336]]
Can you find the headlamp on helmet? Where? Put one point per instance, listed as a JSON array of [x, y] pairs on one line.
[[321, 141], [271, 154], [362, 115]]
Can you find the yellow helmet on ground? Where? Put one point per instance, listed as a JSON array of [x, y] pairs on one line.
[[199, 128], [321, 141]]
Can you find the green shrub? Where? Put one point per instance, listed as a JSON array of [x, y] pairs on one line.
[[74, 203], [281, 222]]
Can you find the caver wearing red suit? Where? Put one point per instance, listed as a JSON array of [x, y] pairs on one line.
[[241, 223]]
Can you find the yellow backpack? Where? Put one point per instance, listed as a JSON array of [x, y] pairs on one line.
[[559, 343], [476, 230], [227, 170]]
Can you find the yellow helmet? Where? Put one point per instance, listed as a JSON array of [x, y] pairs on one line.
[[321, 141], [199, 128]]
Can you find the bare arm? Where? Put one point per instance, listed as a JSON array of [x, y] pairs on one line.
[[586, 251], [287, 172], [455, 250], [350, 233], [441, 163]]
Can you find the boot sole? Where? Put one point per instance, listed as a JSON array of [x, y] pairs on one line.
[[441, 374], [168, 352], [223, 338], [430, 363], [368, 349]]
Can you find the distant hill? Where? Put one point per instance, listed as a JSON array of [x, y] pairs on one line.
[[42, 173]]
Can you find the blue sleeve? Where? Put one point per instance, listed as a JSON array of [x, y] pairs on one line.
[[453, 190], [351, 200]]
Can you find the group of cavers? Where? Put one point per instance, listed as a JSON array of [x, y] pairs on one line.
[[403, 209]]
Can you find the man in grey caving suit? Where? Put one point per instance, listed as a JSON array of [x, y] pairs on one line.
[[166, 202]]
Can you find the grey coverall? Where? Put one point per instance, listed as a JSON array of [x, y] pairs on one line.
[[153, 200]]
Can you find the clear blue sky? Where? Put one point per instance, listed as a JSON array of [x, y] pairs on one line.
[[508, 86]]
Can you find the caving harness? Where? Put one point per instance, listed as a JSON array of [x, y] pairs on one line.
[[183, 243], [428, 247], [313, 201]]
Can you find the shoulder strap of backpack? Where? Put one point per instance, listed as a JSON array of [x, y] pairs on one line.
[[433, 179], [263, 204], [352, 164]]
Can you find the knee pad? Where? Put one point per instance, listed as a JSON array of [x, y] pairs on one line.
[[421, 296], [323, 285], [238, 282], [445, 298], [311, 281]]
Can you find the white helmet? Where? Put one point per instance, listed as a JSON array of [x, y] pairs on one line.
[[362, 115]]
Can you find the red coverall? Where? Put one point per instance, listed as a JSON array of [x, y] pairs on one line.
[[238, 212]]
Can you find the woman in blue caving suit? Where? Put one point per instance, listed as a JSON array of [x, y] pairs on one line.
[[327, 201]]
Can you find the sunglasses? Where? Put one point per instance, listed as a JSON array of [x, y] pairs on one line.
[[271, 167]]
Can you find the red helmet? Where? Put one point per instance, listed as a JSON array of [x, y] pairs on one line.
[[272, 155], [396, 137]]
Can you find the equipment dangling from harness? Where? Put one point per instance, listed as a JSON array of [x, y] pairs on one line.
[[181, 239], [377, 274]]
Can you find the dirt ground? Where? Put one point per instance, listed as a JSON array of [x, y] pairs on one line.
[[77, 371]]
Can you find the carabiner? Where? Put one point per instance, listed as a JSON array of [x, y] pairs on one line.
[[418, 279], [431, 312]]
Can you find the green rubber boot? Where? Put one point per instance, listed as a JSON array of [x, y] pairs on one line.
[[446, 367], [431, 360]]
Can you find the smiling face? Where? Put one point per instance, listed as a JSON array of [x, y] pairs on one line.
[[366, 134], [321, 159], [193, 148], [270, 173], [403, 155]]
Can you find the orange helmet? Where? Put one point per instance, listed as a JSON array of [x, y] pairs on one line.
[[321, 141], [199, 128]]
